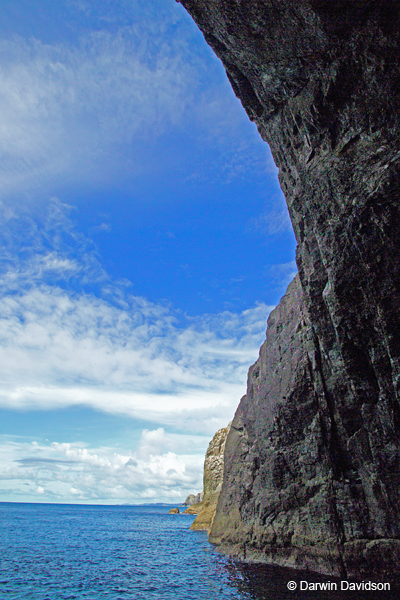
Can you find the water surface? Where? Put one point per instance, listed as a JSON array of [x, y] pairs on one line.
[[77, 552]]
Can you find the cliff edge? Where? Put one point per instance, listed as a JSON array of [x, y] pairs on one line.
[[212, 482], [312, 462]]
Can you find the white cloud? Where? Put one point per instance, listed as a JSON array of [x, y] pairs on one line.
[[122, 354], [93, 112], [59, 349], [117, 353], [65, 108], [74, 472]]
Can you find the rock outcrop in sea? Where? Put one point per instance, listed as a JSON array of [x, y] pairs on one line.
[[312, 461], [173, 511], [212, 482]]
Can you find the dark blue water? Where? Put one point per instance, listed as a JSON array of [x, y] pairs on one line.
[[67, 552]]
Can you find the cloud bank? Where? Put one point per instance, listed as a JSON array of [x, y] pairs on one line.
[[58, 349], [62, 345], [74, 473]]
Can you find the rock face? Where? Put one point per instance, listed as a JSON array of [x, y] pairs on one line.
[[193, 499], [312, 473], [173, 511], [212, 481]]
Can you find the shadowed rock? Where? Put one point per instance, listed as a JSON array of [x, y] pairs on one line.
[[312, 468]]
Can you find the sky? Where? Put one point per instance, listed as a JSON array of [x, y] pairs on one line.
[[144, 242]]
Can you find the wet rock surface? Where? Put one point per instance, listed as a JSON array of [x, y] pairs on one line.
[[312, 467]]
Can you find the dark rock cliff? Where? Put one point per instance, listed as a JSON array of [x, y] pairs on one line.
[[312, 469]]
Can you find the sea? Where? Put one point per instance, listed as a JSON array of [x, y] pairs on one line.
[[80, 552]]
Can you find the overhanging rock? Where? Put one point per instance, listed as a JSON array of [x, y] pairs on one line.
[[312, 471]]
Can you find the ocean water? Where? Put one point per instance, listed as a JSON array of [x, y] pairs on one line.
[[75, 552]]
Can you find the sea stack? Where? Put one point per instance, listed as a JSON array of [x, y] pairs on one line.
[[312, 461]]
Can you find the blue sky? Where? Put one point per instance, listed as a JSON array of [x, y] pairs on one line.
[[144, 241]]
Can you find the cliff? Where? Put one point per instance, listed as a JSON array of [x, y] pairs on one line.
[[212, 482], [193, 499], [312, 467]]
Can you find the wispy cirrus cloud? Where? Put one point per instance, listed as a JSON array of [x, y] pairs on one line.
[[92, 112], [61, 346], [67, 109], [45, 248]]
